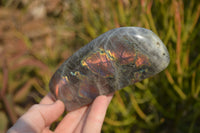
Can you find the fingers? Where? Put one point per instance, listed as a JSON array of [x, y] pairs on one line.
[[40, 116], [71, 120], [93, 119], [86, 119], [97, 114]]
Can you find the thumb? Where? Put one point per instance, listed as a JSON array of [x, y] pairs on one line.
[[47, 113], [39, 117]]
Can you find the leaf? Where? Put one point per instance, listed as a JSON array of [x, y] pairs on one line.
[[3, 122], [23, 92]]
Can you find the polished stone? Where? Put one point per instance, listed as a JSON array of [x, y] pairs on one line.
[[115, 59]]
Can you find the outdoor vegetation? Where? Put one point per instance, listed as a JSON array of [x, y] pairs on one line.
[[36, 36]]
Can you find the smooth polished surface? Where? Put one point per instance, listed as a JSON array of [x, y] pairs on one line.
[[115, 59]]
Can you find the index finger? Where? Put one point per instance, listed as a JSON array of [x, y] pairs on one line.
[[97, 114]]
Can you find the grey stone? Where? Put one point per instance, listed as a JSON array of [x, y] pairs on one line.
[[115, 59]]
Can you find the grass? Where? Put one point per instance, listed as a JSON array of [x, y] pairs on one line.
[[32, 48]]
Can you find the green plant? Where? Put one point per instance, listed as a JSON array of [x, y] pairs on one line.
[[168, 102]]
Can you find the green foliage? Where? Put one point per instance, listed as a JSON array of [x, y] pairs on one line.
[[168, 102]]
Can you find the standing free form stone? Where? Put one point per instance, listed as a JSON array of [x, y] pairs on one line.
[[113, 60]]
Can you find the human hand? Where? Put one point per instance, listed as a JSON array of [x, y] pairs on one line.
[[39, 117]]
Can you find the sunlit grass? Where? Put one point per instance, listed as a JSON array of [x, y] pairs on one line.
[[168, 102]]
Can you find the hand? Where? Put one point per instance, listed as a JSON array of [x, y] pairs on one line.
[[39, 117]]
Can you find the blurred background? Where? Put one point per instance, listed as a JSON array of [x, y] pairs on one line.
[[36, 36]]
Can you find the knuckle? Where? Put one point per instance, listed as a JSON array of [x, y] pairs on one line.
[[35, 107]]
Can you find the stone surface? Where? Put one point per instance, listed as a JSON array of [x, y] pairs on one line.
[[113, 60]]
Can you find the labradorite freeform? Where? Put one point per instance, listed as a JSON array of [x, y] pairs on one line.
[[113, 60]]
